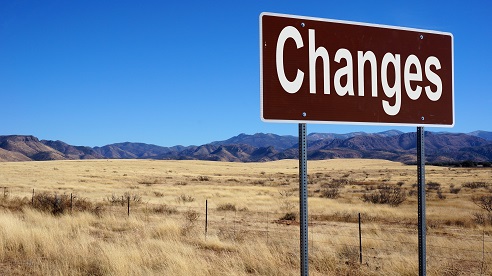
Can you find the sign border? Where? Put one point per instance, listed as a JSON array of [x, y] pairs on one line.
[[357, 24]]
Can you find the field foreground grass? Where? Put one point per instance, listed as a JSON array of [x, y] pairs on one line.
[[252, 214]]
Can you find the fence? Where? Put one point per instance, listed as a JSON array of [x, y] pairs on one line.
[[356, 241]]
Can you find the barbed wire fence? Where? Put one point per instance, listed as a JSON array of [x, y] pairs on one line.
[[368, 243]]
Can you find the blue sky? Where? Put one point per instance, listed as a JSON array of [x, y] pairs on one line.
[[187, 72]]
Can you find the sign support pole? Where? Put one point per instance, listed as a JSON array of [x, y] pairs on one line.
[[303, 200], [421, 200]]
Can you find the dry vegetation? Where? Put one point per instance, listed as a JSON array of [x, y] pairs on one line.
[[252, 213]]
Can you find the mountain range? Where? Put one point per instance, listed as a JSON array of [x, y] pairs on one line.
[[440, 147]]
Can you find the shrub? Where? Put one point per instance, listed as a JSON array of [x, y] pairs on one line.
[[14, 203], [164, 209], [286, 193], [203, 178], [226, 207], [289, 216], [122, 200], [330, 193], [59, 204], [287, 205], [440, 194], [98, 210], [483, 218], [338, 183], [191, 217], [184, 198], [345, 216], [349, 254], [114, 199], [49, 203], [433, 185], [386, 194], [455, 190], [475, 185], [133, 197], [149, 181], [259, 182], [484, 202]]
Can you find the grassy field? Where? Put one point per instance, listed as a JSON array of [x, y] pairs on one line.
[[252, 218]]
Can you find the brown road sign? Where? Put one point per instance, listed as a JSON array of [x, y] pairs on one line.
[[325, 71]]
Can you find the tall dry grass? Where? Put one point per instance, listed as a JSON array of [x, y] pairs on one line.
[[164, 234], [85, 244]]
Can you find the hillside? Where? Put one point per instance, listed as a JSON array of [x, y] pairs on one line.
[[487, 135], [73, 152], [27, 147], [440, 147]]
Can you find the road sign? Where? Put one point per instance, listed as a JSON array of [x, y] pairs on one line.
[[326, 71]]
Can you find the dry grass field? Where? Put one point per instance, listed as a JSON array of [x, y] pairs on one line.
[[252, 215]]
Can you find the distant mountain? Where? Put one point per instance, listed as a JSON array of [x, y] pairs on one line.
[[72, 152], [324, 136], [438, 148], [231, 153], [261, 140], [392, 145], [487, 135], [130, 150], [287, 141], [6, 155], [27, 147]]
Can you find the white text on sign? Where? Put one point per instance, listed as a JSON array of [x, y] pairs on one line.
[[430, 71]]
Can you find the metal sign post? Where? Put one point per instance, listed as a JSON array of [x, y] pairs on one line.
[[303, 200], [421, 200]]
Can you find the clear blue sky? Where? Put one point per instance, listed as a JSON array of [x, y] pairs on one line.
[[187, 72]]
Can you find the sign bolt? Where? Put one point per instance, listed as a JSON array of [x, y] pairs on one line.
[[302, 24], [304, 114], [422, 118]]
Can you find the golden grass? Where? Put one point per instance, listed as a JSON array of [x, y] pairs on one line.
[[164, 234]]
